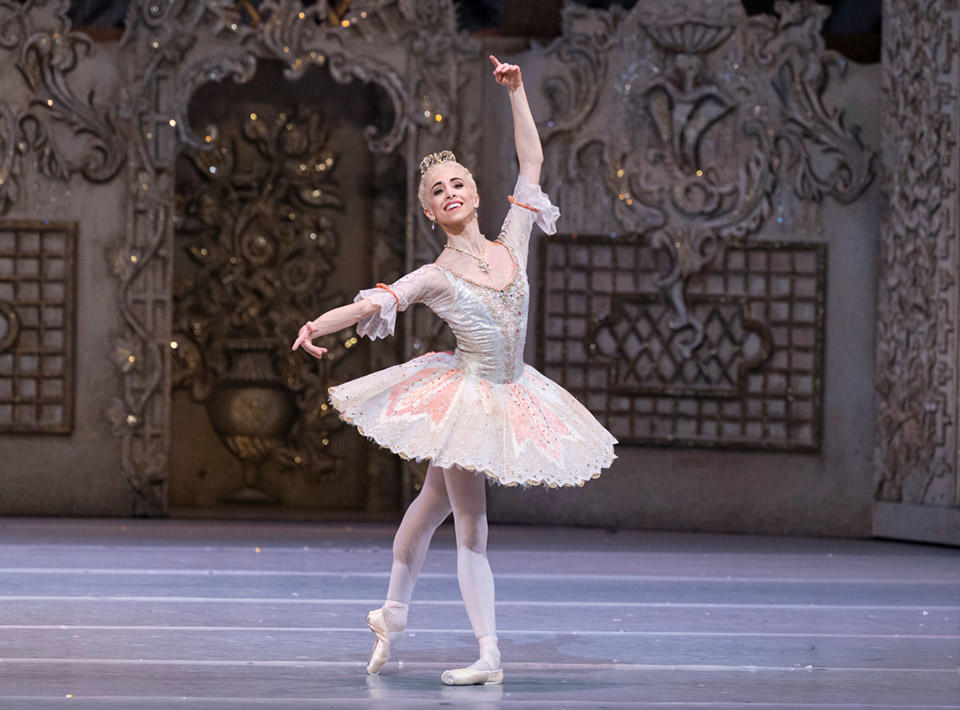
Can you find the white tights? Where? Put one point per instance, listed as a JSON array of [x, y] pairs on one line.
[[463, 492]]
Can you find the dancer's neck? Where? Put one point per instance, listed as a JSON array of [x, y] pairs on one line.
[[469, 238]]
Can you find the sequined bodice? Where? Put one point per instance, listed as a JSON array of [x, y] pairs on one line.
[[490, 325]]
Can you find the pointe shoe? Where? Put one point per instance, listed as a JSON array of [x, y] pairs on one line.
[[472, 676], [381, 649]]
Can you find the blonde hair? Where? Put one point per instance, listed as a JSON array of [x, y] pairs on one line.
[[435, 160]]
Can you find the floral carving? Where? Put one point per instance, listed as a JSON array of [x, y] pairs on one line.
[[262, 241]]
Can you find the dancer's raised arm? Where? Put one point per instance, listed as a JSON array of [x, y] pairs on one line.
[[529, 150]]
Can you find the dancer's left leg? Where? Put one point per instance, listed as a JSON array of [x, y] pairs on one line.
[[468, 497]]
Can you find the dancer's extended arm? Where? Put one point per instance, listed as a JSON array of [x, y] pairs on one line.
[[529, 150], [330, 322], [374, 310]]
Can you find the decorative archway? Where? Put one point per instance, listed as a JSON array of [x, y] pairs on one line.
[[410, 49]]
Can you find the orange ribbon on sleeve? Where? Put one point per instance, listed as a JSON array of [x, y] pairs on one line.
[[520, 204], [387, 288]]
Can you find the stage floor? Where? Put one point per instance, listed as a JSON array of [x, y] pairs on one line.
[[141, 614]]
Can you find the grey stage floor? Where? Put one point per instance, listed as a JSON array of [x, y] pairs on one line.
[[192, 614]]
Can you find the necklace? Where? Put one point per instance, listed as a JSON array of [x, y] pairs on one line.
[[481, 262]]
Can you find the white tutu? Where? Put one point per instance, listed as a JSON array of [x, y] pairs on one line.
[[527, 432]]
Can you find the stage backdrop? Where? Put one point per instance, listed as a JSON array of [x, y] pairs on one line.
[[175, 204]]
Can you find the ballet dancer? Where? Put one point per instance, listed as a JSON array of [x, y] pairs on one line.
[[479, 413]]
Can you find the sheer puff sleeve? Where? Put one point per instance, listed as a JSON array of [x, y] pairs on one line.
[[532, 198], [528, 205], [420, 286]]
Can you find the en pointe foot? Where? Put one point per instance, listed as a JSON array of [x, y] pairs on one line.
[[386, 639]]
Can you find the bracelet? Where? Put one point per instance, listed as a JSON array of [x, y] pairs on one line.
[[520, 204]]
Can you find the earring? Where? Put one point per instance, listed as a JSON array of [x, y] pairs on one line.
[[476, 213], [433, 225]]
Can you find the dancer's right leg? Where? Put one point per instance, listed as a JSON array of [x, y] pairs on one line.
[[430, 508]]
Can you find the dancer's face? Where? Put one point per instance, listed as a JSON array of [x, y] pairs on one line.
[[451, 198]]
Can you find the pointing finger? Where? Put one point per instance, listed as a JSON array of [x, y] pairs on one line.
[[496, 62]]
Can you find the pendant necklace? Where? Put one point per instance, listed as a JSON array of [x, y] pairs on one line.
[[481, 262]]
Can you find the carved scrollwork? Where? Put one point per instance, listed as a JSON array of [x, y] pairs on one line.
[[717, 108], [793, 47], [38, 33], [372, 71], [239, 68]]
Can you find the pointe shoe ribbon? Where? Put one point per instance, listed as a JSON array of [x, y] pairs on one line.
[[472, 676], [381, 649]]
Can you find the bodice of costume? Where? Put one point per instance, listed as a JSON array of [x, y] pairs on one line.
[[489, 324]]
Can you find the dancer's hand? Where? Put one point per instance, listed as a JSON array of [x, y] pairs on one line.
[[304, 338], [507, 75]]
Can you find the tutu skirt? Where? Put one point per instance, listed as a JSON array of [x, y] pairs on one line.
[[527, 432]]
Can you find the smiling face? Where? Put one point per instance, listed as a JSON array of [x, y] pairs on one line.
[[449, 195]]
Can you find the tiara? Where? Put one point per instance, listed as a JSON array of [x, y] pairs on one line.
[[444, 156]]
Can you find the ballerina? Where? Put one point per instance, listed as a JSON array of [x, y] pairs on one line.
[[478, 413]]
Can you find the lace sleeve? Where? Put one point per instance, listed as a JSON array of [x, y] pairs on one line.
[[416, 287], [528, 205]]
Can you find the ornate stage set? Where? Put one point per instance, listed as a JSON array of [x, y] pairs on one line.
[[755, 285]]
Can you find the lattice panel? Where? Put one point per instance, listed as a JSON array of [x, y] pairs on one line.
[[755, 378], [37, 287]]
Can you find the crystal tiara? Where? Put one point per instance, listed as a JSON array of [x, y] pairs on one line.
[[444, 156]]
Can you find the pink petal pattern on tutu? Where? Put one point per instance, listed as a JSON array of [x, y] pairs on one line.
[[430, 392], [533, 422]]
